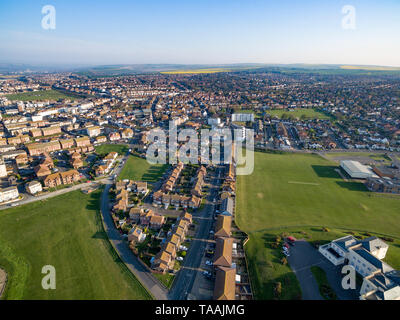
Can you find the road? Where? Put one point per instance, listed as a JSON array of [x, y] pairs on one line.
[[29, 198], [185, 278], [121, 246]]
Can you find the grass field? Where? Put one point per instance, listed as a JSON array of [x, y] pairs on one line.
[[105, 149], [65, 232], [140, 170], [300, 113], [367, 155], [42, 95], [268, 204]]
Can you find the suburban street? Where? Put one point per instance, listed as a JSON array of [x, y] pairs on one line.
[[185, 278], [121, 245]]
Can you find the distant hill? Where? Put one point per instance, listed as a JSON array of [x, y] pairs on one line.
[[129, 69]]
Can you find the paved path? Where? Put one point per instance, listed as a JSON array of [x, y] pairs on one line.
[[302, 257], [126, 255], [121, 246], [3, 281], [29, 198]]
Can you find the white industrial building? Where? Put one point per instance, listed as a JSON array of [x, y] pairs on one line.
[[357, 170]]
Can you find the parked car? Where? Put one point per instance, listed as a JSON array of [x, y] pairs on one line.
[[179, 258], [207, 273], [209, 263]]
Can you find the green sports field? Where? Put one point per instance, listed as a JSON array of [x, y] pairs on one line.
[[41, 95], [300, 113], [140, 170], [298, 193], [65, 232], [105, 149]]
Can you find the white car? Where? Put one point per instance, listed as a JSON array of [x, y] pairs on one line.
[[179, 258], [209, 263], [183, 248]]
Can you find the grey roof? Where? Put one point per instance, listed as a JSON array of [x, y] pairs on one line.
[[346, 242], [373, 260], [227, 205]]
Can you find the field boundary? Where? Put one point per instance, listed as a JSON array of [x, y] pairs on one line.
[[326, 226], [113, 251]]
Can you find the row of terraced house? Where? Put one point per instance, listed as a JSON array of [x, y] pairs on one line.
[[165, 259]]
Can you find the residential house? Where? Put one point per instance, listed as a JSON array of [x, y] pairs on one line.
[[225, 286], [8, 194], [223, 226], [223, 252], [156, 222], [33, 187], [137, 235]]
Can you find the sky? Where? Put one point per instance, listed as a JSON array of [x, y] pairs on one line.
[[200, 32]]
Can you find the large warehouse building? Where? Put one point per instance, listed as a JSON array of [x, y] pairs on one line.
[[357, 170]]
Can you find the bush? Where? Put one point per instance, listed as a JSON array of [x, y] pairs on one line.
[[278, 289], [284, 261], [324, 229]]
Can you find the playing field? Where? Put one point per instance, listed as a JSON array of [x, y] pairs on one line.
[[105, 149], [41, 95], [337, 156], [140, 170], [300, 113], [65, 232], [269, 203]]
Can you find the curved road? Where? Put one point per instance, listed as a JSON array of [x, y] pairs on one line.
[[126, 255]]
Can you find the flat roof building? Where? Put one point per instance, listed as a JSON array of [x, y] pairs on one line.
[[357, 170]]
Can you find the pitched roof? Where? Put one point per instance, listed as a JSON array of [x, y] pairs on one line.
[[224, 288], [223, 252], [223, 226]]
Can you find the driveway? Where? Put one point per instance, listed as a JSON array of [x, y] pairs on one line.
[[302, 257]]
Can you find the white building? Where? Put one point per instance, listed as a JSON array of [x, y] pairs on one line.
[[33, 187], [380, 281], [3, 169], [7, 194], [93, 131], [242, 117], [357, 170]]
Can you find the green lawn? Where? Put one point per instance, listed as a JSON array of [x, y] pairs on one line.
[[300, 113], [302, 192], [105, 149], [41, 95], [166, 279], [366, 155], [65, 232], [139, 169]]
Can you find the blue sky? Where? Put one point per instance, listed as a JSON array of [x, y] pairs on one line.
[[201, 31]]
